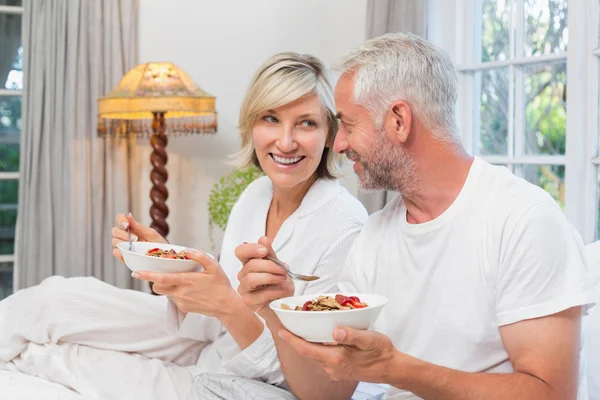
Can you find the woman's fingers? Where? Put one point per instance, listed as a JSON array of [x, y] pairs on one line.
[[121, 221], [117, 233], [260, 265], [249, 251], [257, 280], [118, 255]]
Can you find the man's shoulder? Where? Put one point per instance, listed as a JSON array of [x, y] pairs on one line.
[[381, 218], [504, 195]]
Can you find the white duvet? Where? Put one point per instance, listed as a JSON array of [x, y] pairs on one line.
[[15, 385]]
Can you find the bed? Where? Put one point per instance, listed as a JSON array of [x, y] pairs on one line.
[[15, 385]]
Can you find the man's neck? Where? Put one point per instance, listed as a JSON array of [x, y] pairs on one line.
[[442, 172]]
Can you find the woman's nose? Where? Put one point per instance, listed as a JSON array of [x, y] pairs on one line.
[[286, 142]]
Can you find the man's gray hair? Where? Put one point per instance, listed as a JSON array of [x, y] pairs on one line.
[[405, 67]]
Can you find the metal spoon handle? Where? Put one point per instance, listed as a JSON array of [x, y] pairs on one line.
[[129, 237], [276, 261]]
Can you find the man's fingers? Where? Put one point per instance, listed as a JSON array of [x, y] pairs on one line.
[[361, 339], [317, 352]]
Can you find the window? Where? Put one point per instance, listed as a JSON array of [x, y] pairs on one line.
[[11, 85], [517, 77], [525, 99]]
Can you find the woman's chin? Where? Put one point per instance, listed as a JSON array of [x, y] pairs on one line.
[[286, 180]]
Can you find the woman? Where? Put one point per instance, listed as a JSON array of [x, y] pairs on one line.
[[113, 342]]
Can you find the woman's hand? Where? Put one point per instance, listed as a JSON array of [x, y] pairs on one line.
[[139, 233], [261, 280], [208, 292]]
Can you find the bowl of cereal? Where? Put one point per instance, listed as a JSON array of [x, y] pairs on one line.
[[314, 317], [157, 257]]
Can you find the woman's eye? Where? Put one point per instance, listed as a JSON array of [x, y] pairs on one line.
[[269, 118], [308, 124]]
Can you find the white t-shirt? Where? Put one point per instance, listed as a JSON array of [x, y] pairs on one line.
[[501, 253]]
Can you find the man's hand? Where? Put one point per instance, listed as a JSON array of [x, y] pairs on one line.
[[359, 355]]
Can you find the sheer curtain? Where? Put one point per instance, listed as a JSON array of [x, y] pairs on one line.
[[72, 182]]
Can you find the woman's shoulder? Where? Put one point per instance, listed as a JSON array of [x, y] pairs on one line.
[[342, 205], [257, 189]]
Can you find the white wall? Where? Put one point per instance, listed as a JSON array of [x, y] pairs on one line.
[[221, 43]]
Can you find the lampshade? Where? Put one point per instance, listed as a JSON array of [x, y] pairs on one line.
[[156, 87]]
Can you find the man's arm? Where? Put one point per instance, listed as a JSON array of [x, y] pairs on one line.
[[544, 353], [306, 379]]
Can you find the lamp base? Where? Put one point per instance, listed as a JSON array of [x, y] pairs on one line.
[[159, 211], [158, 176]]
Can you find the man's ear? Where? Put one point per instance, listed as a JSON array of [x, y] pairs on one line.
[[399, 120]]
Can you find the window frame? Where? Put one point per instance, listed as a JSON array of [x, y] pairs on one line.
[[4, 176], [459, 31]]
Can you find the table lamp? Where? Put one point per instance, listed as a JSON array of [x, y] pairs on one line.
[[156, 100]]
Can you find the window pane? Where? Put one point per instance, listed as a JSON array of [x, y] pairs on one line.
[[598, 199], [10, 128], [546, 27], [493, 120], [545, 109], [551, 178], [15, 3], [495, 30], [9, 194], [11, 52], [6, 279]]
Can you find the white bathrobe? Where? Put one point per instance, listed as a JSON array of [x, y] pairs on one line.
[[114, 344]]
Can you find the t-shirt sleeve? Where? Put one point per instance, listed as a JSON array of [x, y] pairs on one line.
[[541, 269]]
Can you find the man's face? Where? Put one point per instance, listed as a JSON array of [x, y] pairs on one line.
[[379, 161]]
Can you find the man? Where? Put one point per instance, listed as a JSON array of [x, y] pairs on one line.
[[484, 275]]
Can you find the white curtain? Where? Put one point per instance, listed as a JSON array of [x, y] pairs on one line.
[[72, 182], [389, 16]]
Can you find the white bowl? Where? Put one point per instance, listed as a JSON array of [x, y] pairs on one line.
[[137, 260], [318, 326]]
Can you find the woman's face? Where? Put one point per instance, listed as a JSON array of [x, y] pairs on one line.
[[289, 141]]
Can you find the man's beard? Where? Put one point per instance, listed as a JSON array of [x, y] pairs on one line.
[[389, 167]]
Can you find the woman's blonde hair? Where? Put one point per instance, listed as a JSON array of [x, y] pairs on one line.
[[282, 79]]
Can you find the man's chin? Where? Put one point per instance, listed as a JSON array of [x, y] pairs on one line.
[[366, 184]]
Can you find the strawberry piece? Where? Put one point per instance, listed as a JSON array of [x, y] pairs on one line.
[[306, 306]]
